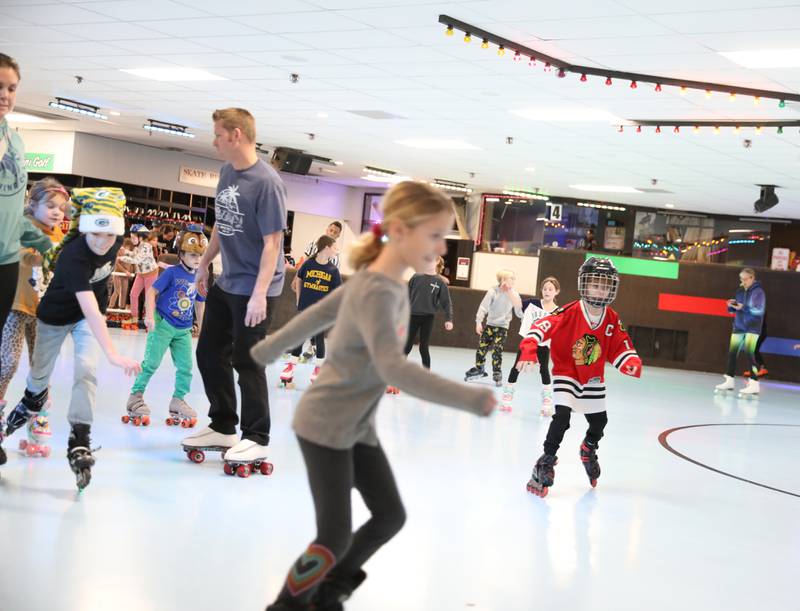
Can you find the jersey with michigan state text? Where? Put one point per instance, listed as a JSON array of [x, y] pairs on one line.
[[579, 351]]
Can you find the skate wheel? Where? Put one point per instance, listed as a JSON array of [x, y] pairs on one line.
[[30, 450], [593, 483], [23, 444], [137, 421], [45, 451], [196, 456], [193, 422], [168, 421], [227, 469], [243, 471], [266, 468], [145, 420], [183, 424], [126, 419], [544, 491]]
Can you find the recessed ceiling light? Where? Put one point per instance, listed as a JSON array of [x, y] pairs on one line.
[[605, 188], [385, 179], [339, 162], [669, 205], [765, 58], [21, 117], [566, 114], [113, 113], [435, 144], [174, 74], [531, 169]]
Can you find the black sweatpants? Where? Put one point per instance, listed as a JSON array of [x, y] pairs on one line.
[[8, 289], [224, 345], [560, 423], [422, 323], [332, 474], [543, 356], [318, 342]]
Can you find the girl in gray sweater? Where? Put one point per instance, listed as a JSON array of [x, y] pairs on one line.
[[335, 418]]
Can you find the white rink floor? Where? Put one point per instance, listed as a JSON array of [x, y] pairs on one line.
[[154, 532]]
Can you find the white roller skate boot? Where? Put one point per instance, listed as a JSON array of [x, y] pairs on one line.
[[181, 413], [750, 390], [38, 435], [547, 401], [207, 440], [245, 458], [726, 385], [287, 375], [508, 398], [138, 410]]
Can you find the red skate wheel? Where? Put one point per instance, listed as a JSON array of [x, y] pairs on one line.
[[543, 493], [183, 424], [227, 469], [194, 421], [243, 471], [168, 421], [266, 468], [126, 419], [46, 451], [30, 449], [137, 421], [145, 420], [23, 444], [196, 456], [594, 483]]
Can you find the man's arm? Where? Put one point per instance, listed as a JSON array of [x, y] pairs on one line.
[[257, 306], [201, 276]]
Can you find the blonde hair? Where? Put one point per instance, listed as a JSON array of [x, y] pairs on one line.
[[9, 62], [411, 203], [439, 265], [552, 280], [749, 271], [237, 118], [505, 274], [43, 190]]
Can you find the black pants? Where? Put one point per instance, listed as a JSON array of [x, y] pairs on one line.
[[332, 474], [8, 289], [761, 338], [422, 323], [543, 356], [318, 342], [560, 423], [224, 345]]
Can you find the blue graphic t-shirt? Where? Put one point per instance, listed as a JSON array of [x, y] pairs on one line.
[[250, 204], [176, 296], [316, 281]]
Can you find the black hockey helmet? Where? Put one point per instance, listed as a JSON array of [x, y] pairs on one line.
[[598, 281]]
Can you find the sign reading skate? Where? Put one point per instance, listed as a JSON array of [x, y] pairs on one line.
[[196, 176]]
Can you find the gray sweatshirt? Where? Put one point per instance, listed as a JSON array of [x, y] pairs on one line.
[[497, 308], [371, 313], [428, 293]]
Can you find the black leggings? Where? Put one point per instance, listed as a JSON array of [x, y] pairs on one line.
[[424, 324], [8, 289], [543, 355], [332, 474], [560, 423], [318, 341]]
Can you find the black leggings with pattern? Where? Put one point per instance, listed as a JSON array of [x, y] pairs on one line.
[[492, 338]]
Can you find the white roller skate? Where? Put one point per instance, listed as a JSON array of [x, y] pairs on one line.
[[547, 401], [751, 389], [138, 411], [287, 376], [726, 385], [247, 457], [308, 352], [181, 413], [206, 440], [38, 435], [508, 398]]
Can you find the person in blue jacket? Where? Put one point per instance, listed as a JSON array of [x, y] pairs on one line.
[[749, 306]]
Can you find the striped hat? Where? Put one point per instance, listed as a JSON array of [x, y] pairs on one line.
[[102, 210]]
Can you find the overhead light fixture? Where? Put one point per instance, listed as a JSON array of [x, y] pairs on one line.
[[162, 127], [338, 162], [114, 113], [669, 205], [566, 114], [765, 58], [602, 206], [435, 144], [526, 194], [174, 74], [368, 169], [741, 230], [387, 179], [23, 117], [605, 188], [80, 108], [449, 185]]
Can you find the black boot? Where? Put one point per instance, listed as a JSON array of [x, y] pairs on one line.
[[334, 590], [30, 405], [79, 454]]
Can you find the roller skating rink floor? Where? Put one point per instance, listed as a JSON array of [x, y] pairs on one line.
[[662, 531]]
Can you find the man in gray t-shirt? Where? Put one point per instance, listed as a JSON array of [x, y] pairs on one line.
[[250, 212]]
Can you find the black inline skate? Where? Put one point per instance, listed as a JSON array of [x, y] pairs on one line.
[[79, 454], [334, 590], [589, 460], [474, 373], [543, 475], [30, 405], [497, 377]]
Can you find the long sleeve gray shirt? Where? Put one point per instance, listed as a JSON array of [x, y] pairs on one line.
[[497, 308], [371, 313]]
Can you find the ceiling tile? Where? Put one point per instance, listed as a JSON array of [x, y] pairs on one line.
[[206, 27], [349, 40], [301, 23], [53, 14], [108, 31], [729, 21], [140, 10], [259, 42], [162, 46], [248, 7]]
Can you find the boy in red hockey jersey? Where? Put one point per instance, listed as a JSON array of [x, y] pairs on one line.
[[584, 335]]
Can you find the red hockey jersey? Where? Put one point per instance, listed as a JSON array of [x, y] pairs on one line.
[[579, 351]]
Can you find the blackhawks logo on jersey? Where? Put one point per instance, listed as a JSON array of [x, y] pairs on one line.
[[586, 350]]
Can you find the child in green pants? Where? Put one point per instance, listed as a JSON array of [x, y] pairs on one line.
[[170, 305]]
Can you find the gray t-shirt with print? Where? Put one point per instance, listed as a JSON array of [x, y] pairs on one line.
[[250, 204]]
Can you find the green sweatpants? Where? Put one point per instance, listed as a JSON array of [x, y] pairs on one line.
[[179, 342]]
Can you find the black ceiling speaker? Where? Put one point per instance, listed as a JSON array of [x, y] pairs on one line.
[[291, 160], [767, 199]]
